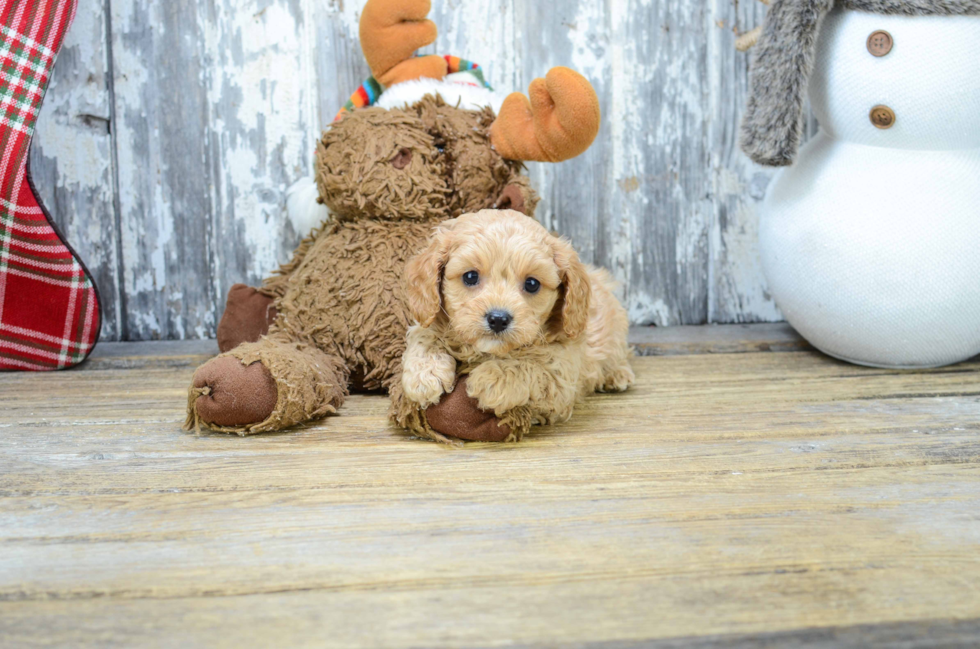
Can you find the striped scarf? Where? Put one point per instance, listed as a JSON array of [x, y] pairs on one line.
[[370, 90]]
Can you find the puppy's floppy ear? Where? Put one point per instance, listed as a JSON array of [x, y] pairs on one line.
[[571, 315], [423, 276]]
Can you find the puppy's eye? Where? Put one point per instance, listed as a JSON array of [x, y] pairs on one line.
[[532, 285], [471, 278]]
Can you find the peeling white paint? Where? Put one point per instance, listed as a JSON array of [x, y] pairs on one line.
[[738, 250], [482, 32], [622, 245], [676, 201], [72, 156], [645, 310], [260, 118]]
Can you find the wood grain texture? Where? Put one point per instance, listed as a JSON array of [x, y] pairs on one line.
[[72, 157], [162, 142], [736, 287], [662, 177], [729, 499], [215, 108], [214, 113], [928, 634], [716, 339]]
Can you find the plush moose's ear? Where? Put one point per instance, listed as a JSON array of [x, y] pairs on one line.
[[571, 315], [391, 31], [560, 121], [423, 276]]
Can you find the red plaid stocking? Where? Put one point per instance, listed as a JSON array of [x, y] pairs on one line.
[[49, 308]]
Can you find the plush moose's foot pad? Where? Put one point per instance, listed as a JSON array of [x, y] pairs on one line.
[[457, 415], [247, 317], [232, 394]]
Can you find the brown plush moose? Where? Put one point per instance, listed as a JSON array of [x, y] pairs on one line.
[[335, 316]]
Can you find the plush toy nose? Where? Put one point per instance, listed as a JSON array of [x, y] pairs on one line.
[[498, 321]]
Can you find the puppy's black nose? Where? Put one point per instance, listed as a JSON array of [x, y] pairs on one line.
[[498, 321]]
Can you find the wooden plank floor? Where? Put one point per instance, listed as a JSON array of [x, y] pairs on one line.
[[730, 499]]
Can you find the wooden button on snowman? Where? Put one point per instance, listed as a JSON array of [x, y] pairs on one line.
[[870, 236], [880, 43]]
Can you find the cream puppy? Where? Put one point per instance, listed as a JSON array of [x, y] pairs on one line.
[[501, 300]]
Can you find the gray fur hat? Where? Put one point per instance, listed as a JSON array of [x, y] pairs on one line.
[[773, 122]]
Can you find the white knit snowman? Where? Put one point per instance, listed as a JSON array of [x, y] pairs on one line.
[[870, 241]]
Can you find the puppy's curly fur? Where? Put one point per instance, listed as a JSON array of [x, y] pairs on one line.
[[566, 337], [784, 57]]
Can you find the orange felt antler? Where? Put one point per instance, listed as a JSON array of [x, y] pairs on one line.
[[559, 122], [391, 31]]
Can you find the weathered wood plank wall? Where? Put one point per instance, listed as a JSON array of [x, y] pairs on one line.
[[173, 129]]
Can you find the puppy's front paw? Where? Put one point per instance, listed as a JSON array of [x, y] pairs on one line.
[[426, 380], [497, 390], [618, 380]]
